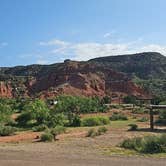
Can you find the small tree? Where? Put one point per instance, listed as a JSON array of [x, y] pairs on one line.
[[36, 111]]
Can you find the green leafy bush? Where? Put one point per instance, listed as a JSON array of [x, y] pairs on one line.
[[102, 130], [118, 116], [133, 143], [143, 119], [7, 130], [130, 100], [133, 127], [139, 110], [162, 117], [5, 113], [147, 144], [36, 111], [41, 127], [95, 121], [93, 132], [57, 130], [76, 122], [56, 119], [46, 137]]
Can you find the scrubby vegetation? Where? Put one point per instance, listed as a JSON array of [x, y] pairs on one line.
[[143, 119], [162, 117], [118, 116], [147, 144], [133, 127], [51, 134], [7, 130], [41, 116], [95, 121], [46, 137], [93, 132]]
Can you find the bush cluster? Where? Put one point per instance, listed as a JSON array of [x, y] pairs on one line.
[[7, 130], [93, 132], [118, 116], [51, 134], [147, 144], [95, 121], [133, 127], [143, 119], [41, 127], [162, 117]]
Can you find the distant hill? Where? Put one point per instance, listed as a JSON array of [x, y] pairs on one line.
[[148, 65], [70, 77], [147, 69], [135, 74]]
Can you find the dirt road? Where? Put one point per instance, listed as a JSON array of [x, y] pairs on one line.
[[20, 158], [76, 152]]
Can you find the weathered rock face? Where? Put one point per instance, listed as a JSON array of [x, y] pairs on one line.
[[5, 90], [83, 79], [73, 78]]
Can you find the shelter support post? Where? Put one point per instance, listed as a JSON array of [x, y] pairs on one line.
[[151, 120]]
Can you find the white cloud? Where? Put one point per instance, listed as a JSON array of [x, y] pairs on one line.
[[3, 44], [107, 35], [42, 62], [154, 48], [85, 51], [54, 42]]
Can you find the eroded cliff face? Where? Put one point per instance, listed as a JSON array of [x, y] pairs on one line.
[[73, 78], [83, 79], [5, 89]]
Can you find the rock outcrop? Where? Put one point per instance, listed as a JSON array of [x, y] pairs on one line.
[[70, 77]]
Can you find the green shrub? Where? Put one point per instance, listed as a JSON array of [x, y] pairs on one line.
[[130, 100], [91, 133], [143, 119], [79, 105], [41, 127], [7, 130], [56, 119], [5, 113], [95, 121], [150, 144], [102, 130], [106, 100], [118, 116], [132, 143], [34, 111], [76, 122], [46, 137], [162, 117], [139, 110], [147, 144], [133, 127], [57, 130]]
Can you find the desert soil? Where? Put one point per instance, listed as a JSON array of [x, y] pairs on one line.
[[74, 150]]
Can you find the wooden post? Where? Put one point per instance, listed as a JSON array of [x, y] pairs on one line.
[[151, 119]]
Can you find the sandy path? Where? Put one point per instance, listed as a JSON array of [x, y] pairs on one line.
[[70, 152]]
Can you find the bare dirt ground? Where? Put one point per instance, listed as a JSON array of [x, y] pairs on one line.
[[76, 150]]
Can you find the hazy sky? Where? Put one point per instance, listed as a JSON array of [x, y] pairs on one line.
[[49, 31]]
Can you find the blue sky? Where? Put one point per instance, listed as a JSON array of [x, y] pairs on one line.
[[49, 31]]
